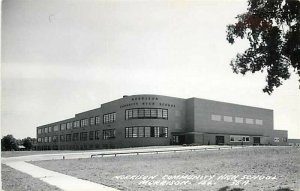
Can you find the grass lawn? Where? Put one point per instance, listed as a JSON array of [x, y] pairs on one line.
[[13, 180], [253, 168]]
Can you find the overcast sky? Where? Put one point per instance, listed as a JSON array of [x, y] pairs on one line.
[[63, 57]]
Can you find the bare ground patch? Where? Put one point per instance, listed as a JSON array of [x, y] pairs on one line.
[[258, 168]]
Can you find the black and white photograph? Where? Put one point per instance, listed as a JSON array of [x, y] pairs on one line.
[[150, 95]]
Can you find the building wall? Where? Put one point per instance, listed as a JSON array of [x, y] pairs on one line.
[[191, 119]]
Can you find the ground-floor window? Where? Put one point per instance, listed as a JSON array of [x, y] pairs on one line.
[[239, 138], [97, 135], [68, 137], [75, 136], [83, 136], [109, 133], [146, 131], [91, 135]]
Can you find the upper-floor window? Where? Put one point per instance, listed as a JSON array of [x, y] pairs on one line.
[[239, 120], [63, 127], [141, 113], [84, 122], [258, 121], [97, 118], [69, 125], [109, 118], [39, 140], [49, 129], [216, 117], [39, 131], [76, 124], [249, 121], [46, 130], [227, 118], [109, 133], [92, 120], [55, 128]]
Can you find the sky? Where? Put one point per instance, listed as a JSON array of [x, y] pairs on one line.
[[62, 57]]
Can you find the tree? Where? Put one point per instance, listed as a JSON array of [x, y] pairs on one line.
[[27, 143], [272, 28], [8, 143]]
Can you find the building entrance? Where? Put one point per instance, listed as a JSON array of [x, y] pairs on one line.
[[178, 139], [220, 140], [256, 140]]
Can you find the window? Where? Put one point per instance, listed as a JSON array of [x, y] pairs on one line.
[[76, 124], [69, 125], [39, 131], [91, 135], [109, 133], [49, 139], [83, 136], [55, 128], [147, 131], [75, 136], [249, 121], [62, 138], [97, 120], [39, 140], [109, 118], [216, 117], [276, 139], [141, 132], [227, 118], [49, 129], [63, 127], [54, 138], [46, 139], [46, 130], [84, 122], [239, 138], [239, 120], [142, 113], [134, 132], [92, 121], [97, 135], [258, 121], [68, 137]]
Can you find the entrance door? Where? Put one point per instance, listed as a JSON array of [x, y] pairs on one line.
[[220, 140], [178, 139], [256, 140]]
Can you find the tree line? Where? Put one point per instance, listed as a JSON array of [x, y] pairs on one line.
[[9, 143]]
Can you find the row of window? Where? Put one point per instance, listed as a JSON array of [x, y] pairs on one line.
[[142, 113], [238, 138], [107, 118], [236, 119], [83, 136], [146, 131]]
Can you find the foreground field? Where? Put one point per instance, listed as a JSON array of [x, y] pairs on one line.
[[261, 168], [14, 180]]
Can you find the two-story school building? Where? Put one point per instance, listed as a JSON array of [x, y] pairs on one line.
[[147, 120]]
